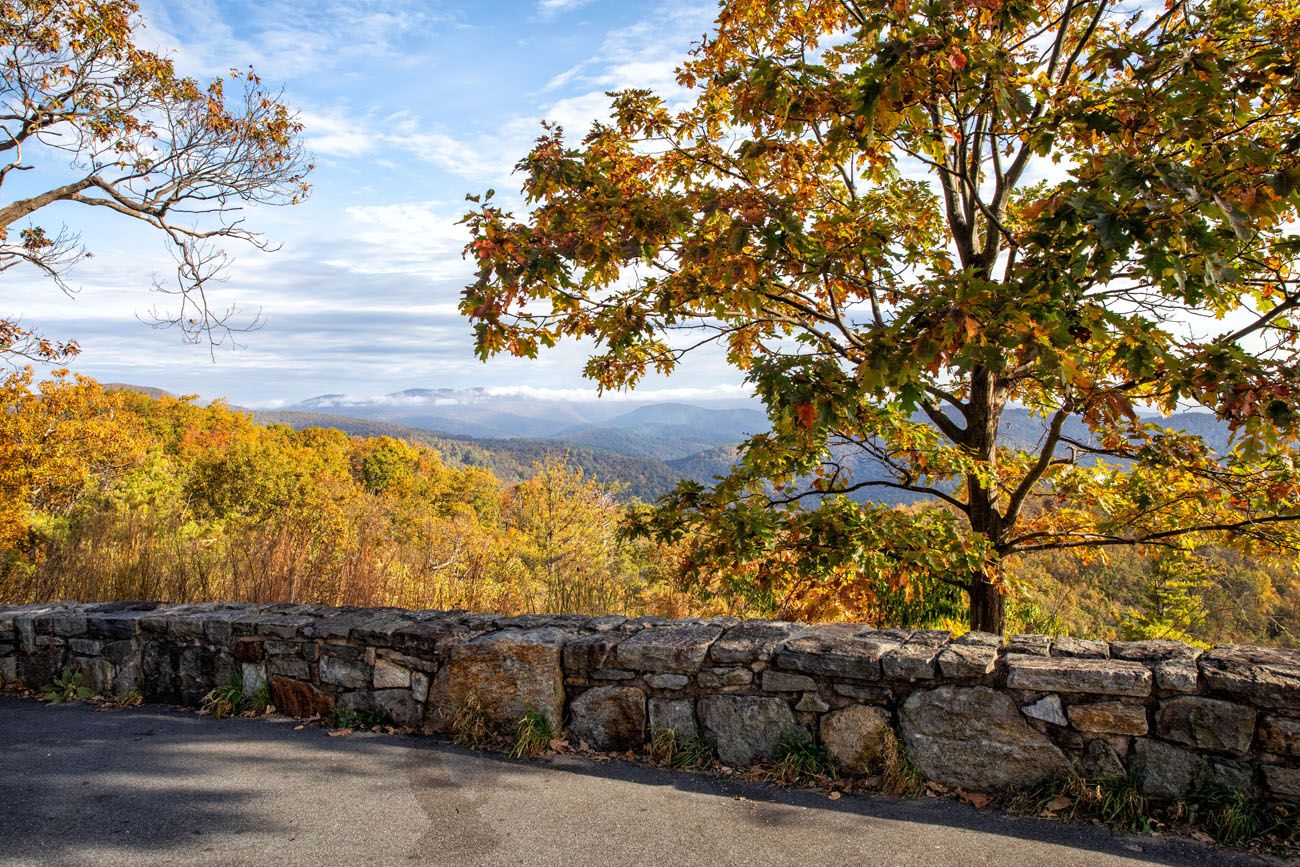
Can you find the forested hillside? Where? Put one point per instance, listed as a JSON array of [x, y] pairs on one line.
[[113, 493]]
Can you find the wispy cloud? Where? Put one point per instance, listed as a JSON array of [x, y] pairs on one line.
[[548, 8]]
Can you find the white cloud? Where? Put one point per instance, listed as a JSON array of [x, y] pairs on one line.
[[553, 7]]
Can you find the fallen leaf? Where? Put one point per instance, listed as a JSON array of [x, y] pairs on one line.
[[834, 796], [937, 788], [978, 800], [299, 728], [1060, 802], [338, 733]]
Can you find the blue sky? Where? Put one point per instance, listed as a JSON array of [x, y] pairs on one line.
[[409, 105]]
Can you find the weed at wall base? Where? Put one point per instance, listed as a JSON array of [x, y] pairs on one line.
[[533, 735], [670, 749], [470, 725], [801, 760], [899, 776]]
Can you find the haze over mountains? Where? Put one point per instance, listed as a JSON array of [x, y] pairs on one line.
[[647, 446]]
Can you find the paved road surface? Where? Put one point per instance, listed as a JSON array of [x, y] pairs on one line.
[[151, 786]]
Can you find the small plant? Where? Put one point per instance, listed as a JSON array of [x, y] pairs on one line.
[[470, 725], [130, 698], [533, 734], [1117, 801], [70, 685], [260, 700], [669, 748], [353, 718], [801, 759], [227, 699], [899, 776], [1231, 817]]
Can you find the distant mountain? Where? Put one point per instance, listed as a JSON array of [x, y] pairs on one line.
[[646, 447], [504, 413], [142, 389], [510, 460]]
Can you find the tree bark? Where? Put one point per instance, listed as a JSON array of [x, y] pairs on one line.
[[987, 606]]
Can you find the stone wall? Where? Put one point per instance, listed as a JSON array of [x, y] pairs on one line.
[[974, 712]]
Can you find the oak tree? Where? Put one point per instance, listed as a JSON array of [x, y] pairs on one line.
[[111, 125], [906, 220]]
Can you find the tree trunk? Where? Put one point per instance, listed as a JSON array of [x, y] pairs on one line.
[[987, 606]]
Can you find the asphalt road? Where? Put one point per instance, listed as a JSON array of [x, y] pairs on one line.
[[155, 786]]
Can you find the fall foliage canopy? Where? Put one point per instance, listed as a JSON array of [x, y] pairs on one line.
[[901, 218]]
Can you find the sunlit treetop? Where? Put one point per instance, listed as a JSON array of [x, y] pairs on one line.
[[901, 220]]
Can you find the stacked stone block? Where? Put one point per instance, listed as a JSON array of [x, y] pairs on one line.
[[974, 712]]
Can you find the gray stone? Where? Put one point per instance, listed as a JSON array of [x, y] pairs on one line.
[[589, 653], [1079, 648], [288, 666], [811, 702], [837, 650], [1048, 709], [1178, 677], [283, 648], [1233, 776], [743, 728], [63, 625], [673, 714], [253, 676], [506, 674], [854, 737], [98, 674], [345, 673], [667, 681], [1207, 723], [1154, 650], [752, 641], [975, 737], [865, 694], [779, 681], [279, 626], [1031, 645], [419, 686], [85, 646], [9, 671], [667, 648], [128, 677], [613, 674], [722, 678], [1100, 760], [1064, 674], [390, 675], [1280, 735], [1284, 783], [1267, 676], [609, 718], [1166, 771], [399, 704], [1109, 717], [915, 658], [118, 652], [975, 654]]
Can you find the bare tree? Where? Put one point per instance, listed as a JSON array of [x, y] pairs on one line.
[[76, 91]]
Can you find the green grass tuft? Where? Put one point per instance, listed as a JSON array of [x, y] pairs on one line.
[[533, 735], [800, 759], [684, 753]]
